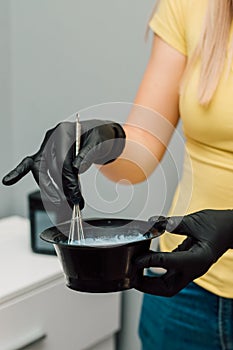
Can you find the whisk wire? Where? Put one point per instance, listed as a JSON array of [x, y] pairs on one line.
[[76, 227]]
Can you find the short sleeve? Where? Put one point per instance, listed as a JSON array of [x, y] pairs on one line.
[[168, 22]]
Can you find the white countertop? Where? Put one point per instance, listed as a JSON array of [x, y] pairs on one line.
[[21, 270]]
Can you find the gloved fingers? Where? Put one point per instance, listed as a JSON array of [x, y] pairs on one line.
[[71, 186], [185, 245], [190, 255], [48, 187], [66, 178], [54, 170], [64, 139], [198, 226], [55, 194], [157, 259], [166, 285], [70, 181], [74, 195], [59, 153], [65, 148], [101, 143], [95, 150], [59, 150], [176, 224], [178, 259], [159, 222], [84, 159], [17, 173], [50, 193]]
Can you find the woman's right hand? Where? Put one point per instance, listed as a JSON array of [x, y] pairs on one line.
[[55, 166]]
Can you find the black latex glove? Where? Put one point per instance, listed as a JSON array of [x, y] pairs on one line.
[[52, 166], [101, 143], [209, 235]]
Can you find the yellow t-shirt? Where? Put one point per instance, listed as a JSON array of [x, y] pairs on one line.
[[207, 180]]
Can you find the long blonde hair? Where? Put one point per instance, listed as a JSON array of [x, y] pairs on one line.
[[212, 49]]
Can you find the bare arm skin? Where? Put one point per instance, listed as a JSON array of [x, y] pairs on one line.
[[150, 127]]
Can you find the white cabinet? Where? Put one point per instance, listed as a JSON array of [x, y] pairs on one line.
[[37, 308], [66, 319]]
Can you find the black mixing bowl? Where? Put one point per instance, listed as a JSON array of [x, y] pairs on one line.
[[102, 268]]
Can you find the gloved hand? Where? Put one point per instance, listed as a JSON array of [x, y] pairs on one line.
[[101, 143], [210, 234], [55, 166]]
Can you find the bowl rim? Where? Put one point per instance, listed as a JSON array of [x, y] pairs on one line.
[[54, 235]]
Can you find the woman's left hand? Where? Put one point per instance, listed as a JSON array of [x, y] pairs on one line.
[[210, 234]]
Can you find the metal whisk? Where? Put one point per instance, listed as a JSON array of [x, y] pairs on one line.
[[76, 226]]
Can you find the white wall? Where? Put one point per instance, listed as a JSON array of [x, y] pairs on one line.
[[62, 56], [5, 106], [67, 55]]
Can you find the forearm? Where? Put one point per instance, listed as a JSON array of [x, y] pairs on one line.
[[153, 118], [143, 151]]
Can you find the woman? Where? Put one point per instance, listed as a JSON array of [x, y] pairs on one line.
[[198, 45], [189, 75]]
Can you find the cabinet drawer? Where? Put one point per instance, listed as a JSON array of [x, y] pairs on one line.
[[54, 317]]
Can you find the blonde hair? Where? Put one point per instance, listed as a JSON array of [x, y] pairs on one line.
[[211, 49]]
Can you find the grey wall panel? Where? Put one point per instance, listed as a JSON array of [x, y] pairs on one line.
[[67, 56], [6, 194]]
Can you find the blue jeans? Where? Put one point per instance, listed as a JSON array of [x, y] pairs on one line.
[[194, 319]]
